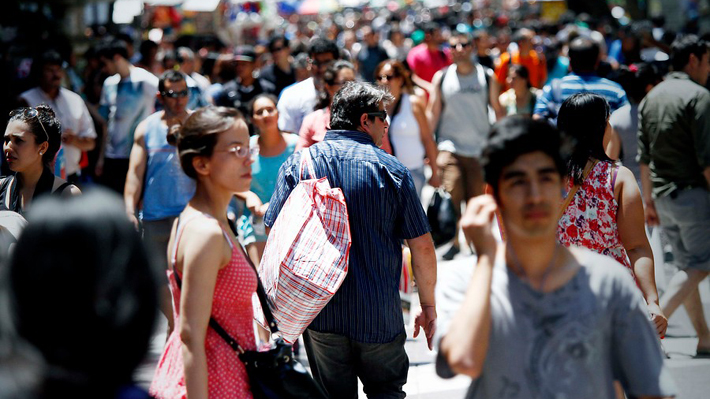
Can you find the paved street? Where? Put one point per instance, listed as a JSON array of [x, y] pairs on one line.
[[691, 375]]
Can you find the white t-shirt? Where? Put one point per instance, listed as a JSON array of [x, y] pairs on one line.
[[296, 101], [72, 114], [124, 104]]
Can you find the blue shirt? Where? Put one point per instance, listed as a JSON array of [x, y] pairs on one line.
[[558, 90], [384, 209]]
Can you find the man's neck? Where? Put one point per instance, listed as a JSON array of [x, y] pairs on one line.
[[168, 116], [51, 92], [464, 67], [432, 46], [533, 255], [124, 70], [249, 81], [284, 65]]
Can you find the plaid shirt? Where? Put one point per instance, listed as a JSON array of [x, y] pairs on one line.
[[384, 210]]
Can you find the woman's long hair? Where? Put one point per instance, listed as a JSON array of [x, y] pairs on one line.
[[583, 117]]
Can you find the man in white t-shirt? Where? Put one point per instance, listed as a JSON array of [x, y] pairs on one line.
[[128, 97], [299, 100], [78, 132]]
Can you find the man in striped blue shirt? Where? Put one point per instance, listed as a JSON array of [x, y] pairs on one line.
[[584, 59], [360, 333]]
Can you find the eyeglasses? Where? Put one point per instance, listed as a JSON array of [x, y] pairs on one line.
[[29, 112], [242, 152], [174, 94], [379, 114], [383, 78], [462, 44]]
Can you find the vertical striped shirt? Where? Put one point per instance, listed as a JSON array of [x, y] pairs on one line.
[[384, 210], [551, 99]]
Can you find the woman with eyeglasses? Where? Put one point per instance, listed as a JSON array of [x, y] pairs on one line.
[[409, 132], [32, 139], [209, 273], [271, 149]]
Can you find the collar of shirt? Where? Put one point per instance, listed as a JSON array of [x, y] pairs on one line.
[[678, 75], [585, 74], [355, 135]]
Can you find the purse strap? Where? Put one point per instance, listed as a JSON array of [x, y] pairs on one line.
[[273, 327], [576, 187]]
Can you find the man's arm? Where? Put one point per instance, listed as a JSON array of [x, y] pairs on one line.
[[493, 98], [434, 106], [424, 268], [466, 344], [136, 173]]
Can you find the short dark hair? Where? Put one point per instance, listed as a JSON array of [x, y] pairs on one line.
[[583, 118], [146, 47], [353, 100], [198, 136], [329, 76], [109, 286], [430, 27], [517, 135], [50, 57], [275, 39], [683, 47], [111, 48], [583, 55], [319, 45], [522, 72], [46, 120], [172, 76]]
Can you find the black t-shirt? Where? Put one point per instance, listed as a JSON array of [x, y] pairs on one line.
[[277, 77], [235, 95]]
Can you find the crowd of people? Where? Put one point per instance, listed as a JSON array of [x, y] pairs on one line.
[[205, 145]]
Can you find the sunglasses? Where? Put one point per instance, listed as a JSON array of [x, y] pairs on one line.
[[379, 114], [383, 78], [174, 94], [463, 45], [30, 113]]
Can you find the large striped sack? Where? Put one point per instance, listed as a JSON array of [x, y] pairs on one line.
[[306, 255]]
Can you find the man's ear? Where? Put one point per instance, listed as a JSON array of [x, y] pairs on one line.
[[201, 165], [488, 189], [364, 121]]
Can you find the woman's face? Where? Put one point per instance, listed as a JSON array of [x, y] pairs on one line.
[[20, 147], [388, 77], [265, 114], [344, 75], [226, 168], [515, 81]]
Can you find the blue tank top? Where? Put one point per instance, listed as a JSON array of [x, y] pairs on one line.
[[167, 189]]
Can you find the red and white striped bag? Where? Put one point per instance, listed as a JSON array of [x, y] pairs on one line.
[[306, 255]]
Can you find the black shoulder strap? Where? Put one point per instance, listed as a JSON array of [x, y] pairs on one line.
[[61, 188]]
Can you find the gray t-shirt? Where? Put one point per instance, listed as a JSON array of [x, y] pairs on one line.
[[570, 343]]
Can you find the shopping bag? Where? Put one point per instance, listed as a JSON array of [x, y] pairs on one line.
[[442, 217], [306, 255]]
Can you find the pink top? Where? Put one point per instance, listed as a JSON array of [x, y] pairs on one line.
[[316, 124], [232, 308], [590, 219], [426, 63]]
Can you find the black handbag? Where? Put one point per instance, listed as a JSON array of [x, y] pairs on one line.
[[273, 374], [442, 217]]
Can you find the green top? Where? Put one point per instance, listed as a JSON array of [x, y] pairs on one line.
[[674, 134]]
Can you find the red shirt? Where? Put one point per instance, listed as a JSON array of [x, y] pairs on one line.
[[425, 63]]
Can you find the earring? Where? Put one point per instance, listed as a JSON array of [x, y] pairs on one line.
[[41, 153]]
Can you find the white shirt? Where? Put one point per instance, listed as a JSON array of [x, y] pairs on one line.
[[72, 114], [296, 101]]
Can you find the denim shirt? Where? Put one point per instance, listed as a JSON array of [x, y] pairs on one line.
[[384, 210]]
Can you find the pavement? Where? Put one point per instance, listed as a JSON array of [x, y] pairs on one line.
[[692, 376]]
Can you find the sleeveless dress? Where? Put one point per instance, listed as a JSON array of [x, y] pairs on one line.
[[232, 308], [590, 219]]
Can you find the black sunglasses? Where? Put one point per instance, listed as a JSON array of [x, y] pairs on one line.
[[174, 94], [29, 113], [379, 114]]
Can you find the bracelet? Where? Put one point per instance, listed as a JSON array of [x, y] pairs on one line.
[[427, 306]]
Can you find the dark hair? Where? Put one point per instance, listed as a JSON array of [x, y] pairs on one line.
[[583, 117], [636, 78], [50, 57], [172, 76], [275, 39], [168, 55], [517, 135], [583, 55], [198, 136], [353, 100], [113, 47], [522, 72], [106, 291], [319, 45], [45, 119], [329, 77], [430, 27], [399, 71], [683, 47], [145, 49], [270, 96]]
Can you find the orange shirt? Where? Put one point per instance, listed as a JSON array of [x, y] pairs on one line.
[[534, 62]]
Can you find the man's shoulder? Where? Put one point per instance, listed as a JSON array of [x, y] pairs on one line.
[[70, 96], [298, 90], [29, 94]]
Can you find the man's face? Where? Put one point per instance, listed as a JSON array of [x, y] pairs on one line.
[[244, 69], [279, 51], [461, 48], [529, 196], [319, 63], [175, 97], [700, 75], [108, 66], [52, 76], [378, 126]]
